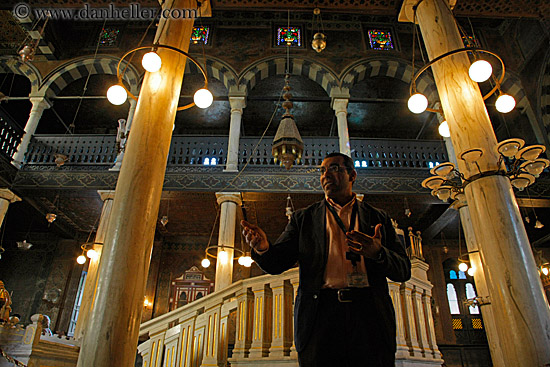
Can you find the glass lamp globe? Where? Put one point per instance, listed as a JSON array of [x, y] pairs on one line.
[[505, 103], [480, 71], [151, 62], [81, 259], [92, 254], [545, 271], [417, 103], [205, 263], [203, 98], [246, 261], [223, 256], [463, 267], [444, 129], [471, 272], [117, 95]]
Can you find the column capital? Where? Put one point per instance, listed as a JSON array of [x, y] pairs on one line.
[[237, 103], [106, 194], [235, 197], [340, 104], [8, 195], [40, 102]]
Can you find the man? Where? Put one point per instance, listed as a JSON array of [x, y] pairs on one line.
[[345, 249]]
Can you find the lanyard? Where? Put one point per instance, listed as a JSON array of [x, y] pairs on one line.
[[339, 220]]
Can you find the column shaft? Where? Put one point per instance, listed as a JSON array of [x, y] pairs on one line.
[[90, 287], [39, 104], [516, 291], [118, 302], [237, 105], [228, 215], [340, 107]]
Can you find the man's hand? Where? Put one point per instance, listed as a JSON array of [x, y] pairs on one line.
[[255, 236], [365, 245]]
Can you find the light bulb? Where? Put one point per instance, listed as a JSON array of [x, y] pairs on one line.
[[223, 256], [203, 98], [417, 103], [92, 254], [471, 272], [247, 261], [444, 129], [81, 259], [205, 263], [241, 260], [463, 267], [117, 95], [480, 71], [505, 103], [545, 270], [151, 62]]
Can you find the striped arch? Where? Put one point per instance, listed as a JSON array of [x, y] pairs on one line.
[[393, 68], [544, 94], [10, 64], [216, 69], [80, 68], [315, 71]]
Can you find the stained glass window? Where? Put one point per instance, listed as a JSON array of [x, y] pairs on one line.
[[108, 36], [200, 35], [469, 41], [461, 275], [452, 274], [380, 40], [291, 36]]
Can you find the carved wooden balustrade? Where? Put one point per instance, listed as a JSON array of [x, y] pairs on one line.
[[250, 324]]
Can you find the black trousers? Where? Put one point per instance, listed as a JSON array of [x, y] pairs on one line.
[[351, 334]]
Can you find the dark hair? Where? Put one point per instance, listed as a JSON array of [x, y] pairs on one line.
[[348, 162]]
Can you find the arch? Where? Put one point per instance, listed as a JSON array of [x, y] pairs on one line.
[[81, 67], [216, 69], [10, 64], [388, 67], [266, 68]]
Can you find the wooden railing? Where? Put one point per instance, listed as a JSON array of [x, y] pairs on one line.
[[101, 150], [250, 323], [10, 135]]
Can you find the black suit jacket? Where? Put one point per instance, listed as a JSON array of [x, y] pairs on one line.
[[304, 241]]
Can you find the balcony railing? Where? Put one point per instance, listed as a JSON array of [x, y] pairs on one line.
[[102, 150], [10, 135]]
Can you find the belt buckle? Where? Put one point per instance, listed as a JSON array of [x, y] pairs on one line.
[[341, 297]]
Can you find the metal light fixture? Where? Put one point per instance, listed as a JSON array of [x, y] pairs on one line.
[[24, 245], [28, 51], [287, 144], [319, 42], [118, 93], [88, 251]]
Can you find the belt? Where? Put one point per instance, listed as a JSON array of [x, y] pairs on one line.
[[346, 294]]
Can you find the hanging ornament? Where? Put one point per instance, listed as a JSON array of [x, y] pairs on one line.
[[164, 220], [287, 144], [51, 217], [319, 41], [289, 208], [26, 53]]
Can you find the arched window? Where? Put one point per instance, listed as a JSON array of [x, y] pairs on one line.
[[461, 275], [452, 274], [471, 293], [453, 299]]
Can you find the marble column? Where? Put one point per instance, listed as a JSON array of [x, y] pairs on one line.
[[39, 104], [90, 286], [340, 107], [129, 119], [6, 198], [516, 291], [118, 302], [228, 202], [237, 105]]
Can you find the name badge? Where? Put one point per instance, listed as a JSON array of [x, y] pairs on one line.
[[358, 280]]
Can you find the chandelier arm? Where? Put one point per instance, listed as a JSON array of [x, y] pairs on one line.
[[498, 82], [155, 47]]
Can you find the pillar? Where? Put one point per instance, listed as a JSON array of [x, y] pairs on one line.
[[479, 275], [245, 314], [129, 119], [6, 198], [515, 288], [118, 303], [340, 107], [237, 105], [90, 286], [261, 331], [228, 202], [39, 104], [281, 337]]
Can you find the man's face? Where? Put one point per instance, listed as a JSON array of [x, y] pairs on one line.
[[336, 180]]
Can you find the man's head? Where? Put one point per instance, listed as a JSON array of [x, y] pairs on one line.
[[337, 176]]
